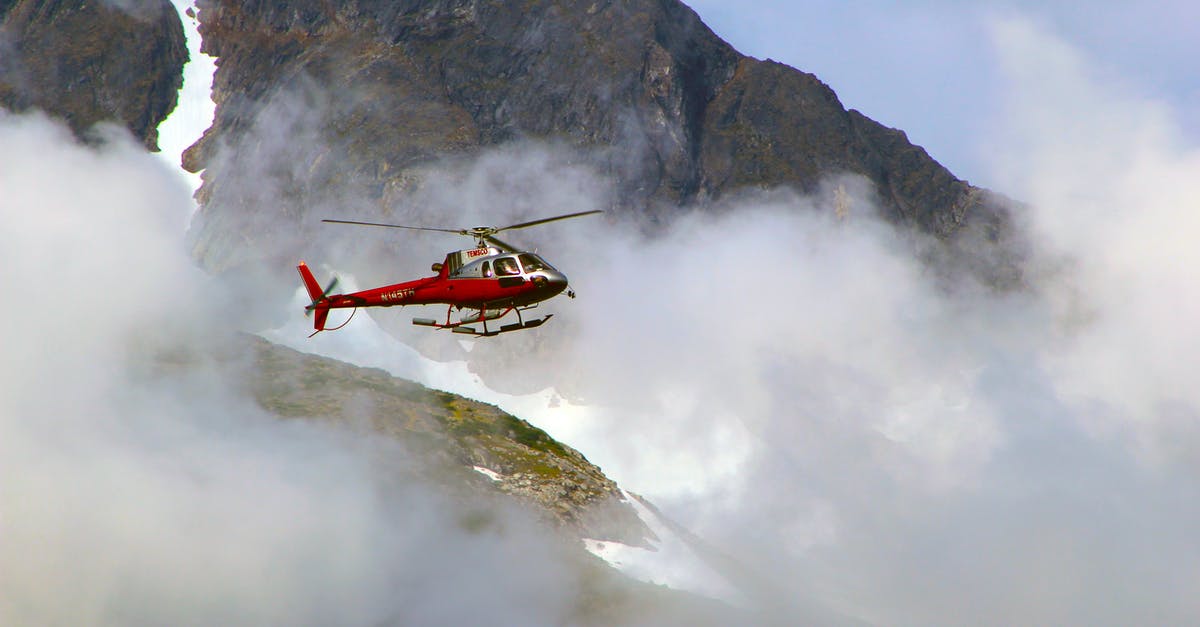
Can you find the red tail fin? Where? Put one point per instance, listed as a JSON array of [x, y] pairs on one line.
[[310, 282], [314, 292]]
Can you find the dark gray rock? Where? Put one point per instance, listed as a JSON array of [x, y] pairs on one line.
[[643, 90], [88, 62]]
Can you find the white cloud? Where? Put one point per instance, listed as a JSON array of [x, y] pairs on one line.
[[803, 394], [800, 391], [127, 495], [1115, 192]]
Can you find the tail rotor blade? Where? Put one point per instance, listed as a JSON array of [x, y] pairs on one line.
[[333, 283]]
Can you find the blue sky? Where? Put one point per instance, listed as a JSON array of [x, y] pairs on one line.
[[931, 67]]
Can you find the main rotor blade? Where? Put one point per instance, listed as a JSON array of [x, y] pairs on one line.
[[398, 226], [501, 244], [545, 220]]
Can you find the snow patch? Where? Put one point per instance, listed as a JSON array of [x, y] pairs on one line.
[[195, 109], [488, 472], [669, 562]]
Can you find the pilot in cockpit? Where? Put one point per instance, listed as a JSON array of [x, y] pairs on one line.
[[507, 266]]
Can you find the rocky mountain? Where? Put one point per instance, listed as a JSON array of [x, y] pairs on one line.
[[642, 91], [362, 104], [471, 451], [93, 61], [468, 442], [322, 104]]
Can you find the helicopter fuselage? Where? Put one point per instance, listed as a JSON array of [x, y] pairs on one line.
[[481, 278], [493, 279]]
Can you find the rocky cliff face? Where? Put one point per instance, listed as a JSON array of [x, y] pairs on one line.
[[460, 442], [444, 439], [88, 62], [642, 91]]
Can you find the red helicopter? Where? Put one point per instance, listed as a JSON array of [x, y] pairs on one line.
[[493, 279]]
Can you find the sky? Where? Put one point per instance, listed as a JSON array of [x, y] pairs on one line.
[[930, 67], [895, 449]]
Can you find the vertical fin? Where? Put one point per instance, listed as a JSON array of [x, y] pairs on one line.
[[317, 296], [310, 282]]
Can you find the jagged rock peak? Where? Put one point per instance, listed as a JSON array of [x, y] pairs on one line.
[[89, 62], [651, 98]]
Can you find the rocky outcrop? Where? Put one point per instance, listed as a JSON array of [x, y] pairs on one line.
[[771, 124], [443, 439], [93, 61], [643, 91], [459, 441]]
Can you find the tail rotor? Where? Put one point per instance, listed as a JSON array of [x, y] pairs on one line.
[[322, 297]]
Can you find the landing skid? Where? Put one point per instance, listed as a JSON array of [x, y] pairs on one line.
[[460, 327], [516, 326]]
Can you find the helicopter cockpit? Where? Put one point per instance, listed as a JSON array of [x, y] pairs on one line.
[[502, 265]]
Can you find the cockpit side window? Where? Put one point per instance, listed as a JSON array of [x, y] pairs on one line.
[[507, 266], [487, 270]]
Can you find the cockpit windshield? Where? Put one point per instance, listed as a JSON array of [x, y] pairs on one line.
[[533, 263], [500, 267]]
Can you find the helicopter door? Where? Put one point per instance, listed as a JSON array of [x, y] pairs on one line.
[[509, 272]]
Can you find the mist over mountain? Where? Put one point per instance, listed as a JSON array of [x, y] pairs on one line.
[[456, 114], [319, 104], [774, 343]]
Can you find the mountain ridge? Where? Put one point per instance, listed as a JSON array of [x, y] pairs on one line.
[[654, 101], [527, 464]]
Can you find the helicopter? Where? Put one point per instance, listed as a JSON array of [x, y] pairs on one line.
[[492, 280]]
